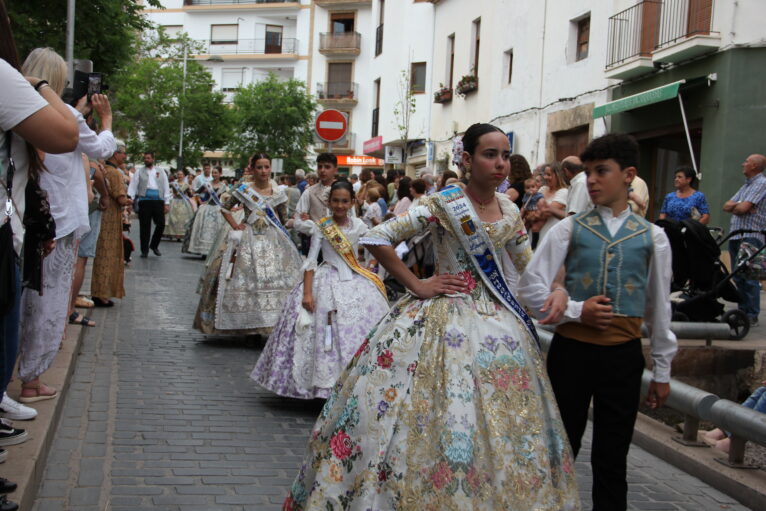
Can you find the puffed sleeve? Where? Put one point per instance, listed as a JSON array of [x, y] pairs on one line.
[[400, 228], [518, 247], [230, 202], [310, 264]]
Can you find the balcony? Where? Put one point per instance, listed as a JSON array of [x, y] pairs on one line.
[[341, 3], [273, 47], [345, 146], [658, 31], [339, 44], [337, 93], [228, 5], [686, 31]]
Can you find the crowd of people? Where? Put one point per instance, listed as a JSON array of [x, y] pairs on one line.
[[438, 399]]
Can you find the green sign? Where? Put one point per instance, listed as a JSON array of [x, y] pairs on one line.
[[649, 97]]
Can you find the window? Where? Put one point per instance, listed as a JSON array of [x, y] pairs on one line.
[[450, 60], [341, 22], [339, 83], [476, 39], [224, 34], [381, 12], [379, 30], [273, 39], [583, 37], [418, 77], [173, 31], [509, 66], [376, 110], [231, 79]]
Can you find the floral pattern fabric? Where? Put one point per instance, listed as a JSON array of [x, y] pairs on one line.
[[446, 405], [680, 208]]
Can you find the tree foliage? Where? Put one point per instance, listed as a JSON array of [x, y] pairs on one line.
[[404, 108], [150, 102], [275, 117], [105, 30]]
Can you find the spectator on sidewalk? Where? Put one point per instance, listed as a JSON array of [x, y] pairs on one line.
[[685, 202], [749, 212], [578, 199], [300, 179], [721, 439], [44, 313]]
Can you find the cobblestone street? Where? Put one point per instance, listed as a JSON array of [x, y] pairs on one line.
[[159, 416]]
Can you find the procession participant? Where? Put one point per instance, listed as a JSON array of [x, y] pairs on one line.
[[328, 314], [447, 405], [107, 278], [618, 275], [151, 194], [181, 210], [208, 220], [205, 177], [245, 292]]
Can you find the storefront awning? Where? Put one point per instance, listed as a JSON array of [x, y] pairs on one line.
[[663, 93]]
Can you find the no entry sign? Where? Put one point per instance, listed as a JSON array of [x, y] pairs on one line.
[[331, 125]]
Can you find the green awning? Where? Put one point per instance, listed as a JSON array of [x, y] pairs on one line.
[[648, 97]]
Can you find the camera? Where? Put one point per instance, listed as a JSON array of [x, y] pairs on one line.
[[87, 83]]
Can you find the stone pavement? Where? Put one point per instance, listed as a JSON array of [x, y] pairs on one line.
[[160, 416]]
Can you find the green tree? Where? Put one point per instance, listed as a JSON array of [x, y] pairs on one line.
[[150, 102], [105, 30], [276, 117], [404, 108]]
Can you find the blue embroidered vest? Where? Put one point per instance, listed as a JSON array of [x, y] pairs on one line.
[[618, 267]]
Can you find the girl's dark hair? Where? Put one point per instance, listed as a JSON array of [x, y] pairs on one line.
[[688, 172], [419, 185], [520, 170], [342, 184], [384, 190], [259, 156], [10, 54], [404, 188], [474, 132]]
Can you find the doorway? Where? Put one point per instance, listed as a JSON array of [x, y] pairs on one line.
[[570, 142], [273, 39]]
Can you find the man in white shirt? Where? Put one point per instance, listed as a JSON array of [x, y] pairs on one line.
[[578, 199], [203, 178], [150, 191]]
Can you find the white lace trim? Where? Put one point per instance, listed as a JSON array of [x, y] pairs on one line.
[[374, 241]]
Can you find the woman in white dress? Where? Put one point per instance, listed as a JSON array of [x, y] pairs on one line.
[[553, 207], [208, 220]]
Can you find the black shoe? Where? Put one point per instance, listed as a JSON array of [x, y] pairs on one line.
[[144, 255], [10, 435], [6, 486], [156, 252], [98, 302], [7, 505]]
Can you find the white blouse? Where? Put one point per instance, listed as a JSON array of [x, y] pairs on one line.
[[354, 230]]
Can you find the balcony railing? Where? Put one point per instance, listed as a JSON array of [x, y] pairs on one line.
[[345, 145], [337, 91], [230, 2], [333, 42], [633, 32], [379, 40], [682, 19], [274, 45], [375, 121]]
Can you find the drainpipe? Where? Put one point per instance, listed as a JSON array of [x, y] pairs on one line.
[[542, 80]]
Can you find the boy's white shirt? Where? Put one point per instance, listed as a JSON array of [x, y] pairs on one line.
[[535, 285]]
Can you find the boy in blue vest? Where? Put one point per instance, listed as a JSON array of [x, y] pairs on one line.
[[618, 272]]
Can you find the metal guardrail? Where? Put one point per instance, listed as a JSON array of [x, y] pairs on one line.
[[338, 90], [349, 41], [225, 2], [268, 46], [684, 18], [744, 424]]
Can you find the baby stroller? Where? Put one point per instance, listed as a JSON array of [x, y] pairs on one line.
[[700, 278]]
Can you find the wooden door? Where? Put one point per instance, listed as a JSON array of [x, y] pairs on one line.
[[339, 80], [571, 142], [273, 39], [699, 17]]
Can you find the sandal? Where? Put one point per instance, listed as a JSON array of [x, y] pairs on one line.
[[83, 302], [98, 302], [40, 393], [78, 319]]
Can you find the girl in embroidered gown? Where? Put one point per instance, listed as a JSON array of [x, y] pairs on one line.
[[302, 358], [447, 404], [181, 211], [208, 220], [244, 292]]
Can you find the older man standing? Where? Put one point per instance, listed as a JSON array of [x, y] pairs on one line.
[[749, 210], [578, 199], [151, 190]]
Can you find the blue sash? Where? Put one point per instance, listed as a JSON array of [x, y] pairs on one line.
[[151, 195], [213, 196], [180, 192], [255, 202], [475, 241]]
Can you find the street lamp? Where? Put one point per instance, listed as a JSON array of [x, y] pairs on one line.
[[212, 58]]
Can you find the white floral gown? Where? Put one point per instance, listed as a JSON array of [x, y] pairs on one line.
[[447, 405]]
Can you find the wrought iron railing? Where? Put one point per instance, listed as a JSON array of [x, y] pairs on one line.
[[337, 91], [379, 40], [684, 18], [229, 2], [270, 45], [340, 41], [347, 143], [375, 121], [633, 32]]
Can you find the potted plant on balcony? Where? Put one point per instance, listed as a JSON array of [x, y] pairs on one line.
[[468, 83], [443, 94]]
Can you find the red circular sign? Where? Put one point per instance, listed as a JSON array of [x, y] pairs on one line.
[[331, 125]]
